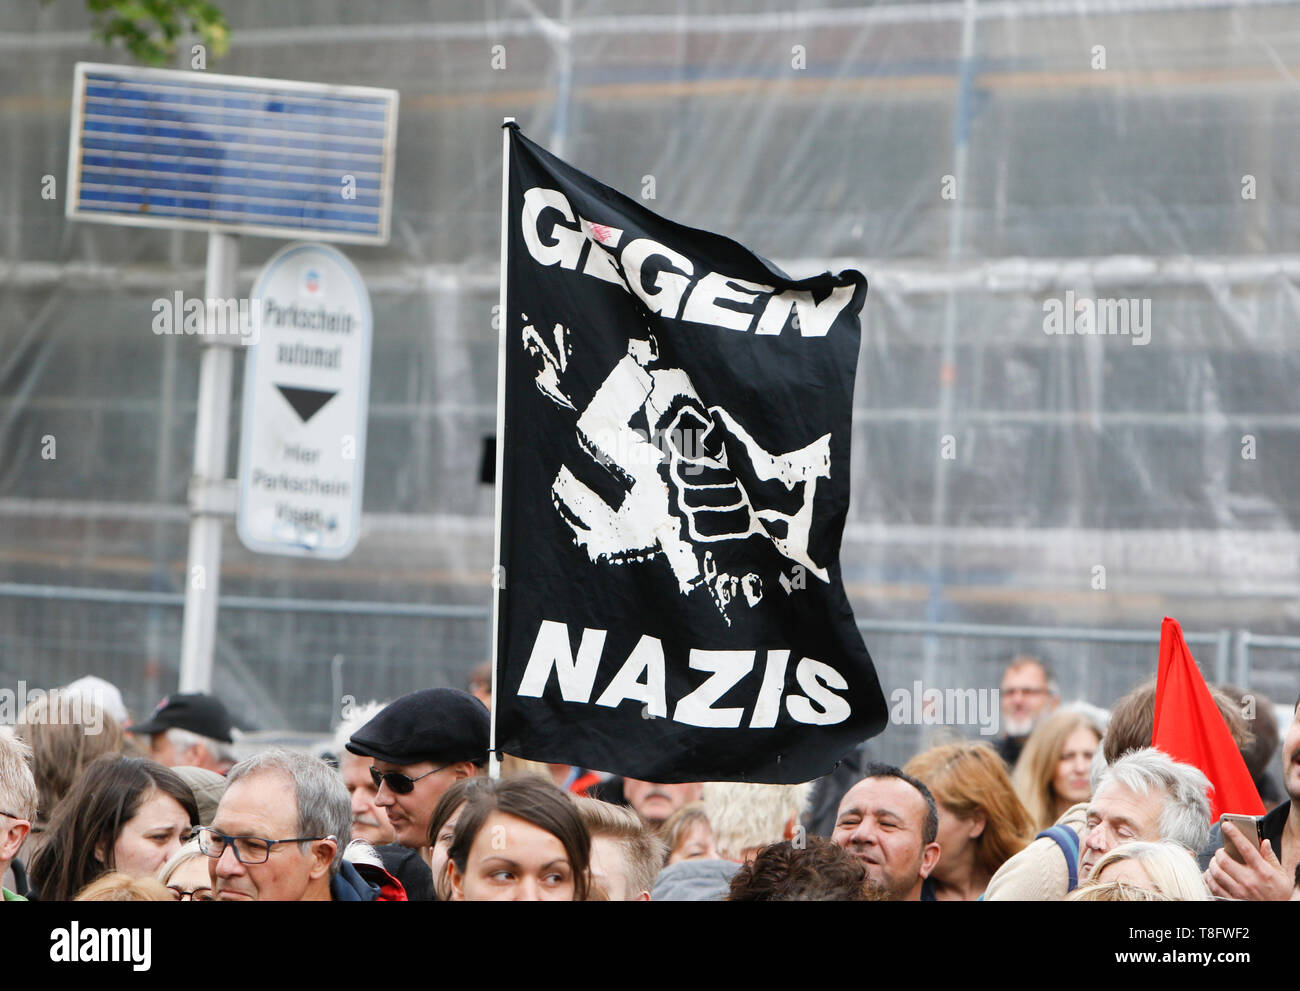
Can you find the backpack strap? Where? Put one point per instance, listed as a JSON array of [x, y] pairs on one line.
[[1068, 840]]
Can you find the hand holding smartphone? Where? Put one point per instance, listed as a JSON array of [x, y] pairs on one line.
[[1248, 826]]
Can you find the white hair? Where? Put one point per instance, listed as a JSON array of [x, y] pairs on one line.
[[183, 739], [18, 793], [1170, 866], [745, 815], [184, 855], [360, 715], [1185, 815]]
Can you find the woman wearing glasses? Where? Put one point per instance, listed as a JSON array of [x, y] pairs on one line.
[[186, 875], [127, 814], [519, 840]]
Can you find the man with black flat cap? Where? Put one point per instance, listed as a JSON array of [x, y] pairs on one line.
[[422, 744]]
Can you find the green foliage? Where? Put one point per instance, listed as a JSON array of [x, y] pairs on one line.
[[149, 29]]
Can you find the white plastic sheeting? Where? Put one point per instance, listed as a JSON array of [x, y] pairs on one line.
[[976, 160]]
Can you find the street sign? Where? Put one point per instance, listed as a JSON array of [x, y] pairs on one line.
[[306, 387], [274, 157]]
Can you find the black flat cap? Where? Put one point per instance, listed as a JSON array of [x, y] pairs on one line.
[[196, 712], [437, 724]]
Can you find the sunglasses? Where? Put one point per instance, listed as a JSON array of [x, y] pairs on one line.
[[398, 783]]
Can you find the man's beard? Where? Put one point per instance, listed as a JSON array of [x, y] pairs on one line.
[[883, 891], [1018, 727], [889, 889], [875, 891]]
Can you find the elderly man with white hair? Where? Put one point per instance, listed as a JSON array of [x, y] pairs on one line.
[[279, 834], [1146, 796], [17, 804]]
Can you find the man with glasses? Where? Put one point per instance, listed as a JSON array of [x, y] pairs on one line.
[[1028, 695], [17, 804], [280, 831], [422, 744]]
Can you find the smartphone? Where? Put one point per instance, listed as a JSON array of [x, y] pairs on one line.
[[1248, 826]]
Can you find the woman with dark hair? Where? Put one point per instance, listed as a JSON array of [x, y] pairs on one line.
[[125, 814], [519, 840], [442, 830]]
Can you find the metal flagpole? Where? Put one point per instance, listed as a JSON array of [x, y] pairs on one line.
[[498, 570]]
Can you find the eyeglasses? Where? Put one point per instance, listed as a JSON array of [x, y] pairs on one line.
[[398, 783], [13, 815], [197, 895], [248, 849]]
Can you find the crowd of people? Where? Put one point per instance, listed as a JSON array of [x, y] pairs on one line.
[[1070, 803]]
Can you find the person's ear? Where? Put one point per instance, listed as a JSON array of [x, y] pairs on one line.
[[99, 853], [929, 857], [12, 841], [979, 821], [465, 769], [457, 882], [323, 856]]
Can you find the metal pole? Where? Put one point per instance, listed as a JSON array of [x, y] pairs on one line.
[[1241, 677], [1223, 657], [211, 430], [499, 571], [563, 43], [948, 354]]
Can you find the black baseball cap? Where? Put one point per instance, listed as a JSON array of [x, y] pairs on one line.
[[195, 712], [438, 724]]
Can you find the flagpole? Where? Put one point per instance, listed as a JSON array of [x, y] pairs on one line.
[[498, 571]]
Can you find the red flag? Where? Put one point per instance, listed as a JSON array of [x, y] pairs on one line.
[[1189, 728]]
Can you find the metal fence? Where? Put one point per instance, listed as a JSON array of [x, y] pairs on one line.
[[1096, 666], [280, 663], [288, 664]]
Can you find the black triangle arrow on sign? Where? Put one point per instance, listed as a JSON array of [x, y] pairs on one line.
[[305, 402]]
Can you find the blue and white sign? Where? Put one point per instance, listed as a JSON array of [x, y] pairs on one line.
[[273, 157], [302, 452]]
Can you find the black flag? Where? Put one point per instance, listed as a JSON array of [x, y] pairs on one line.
[[676, 479]]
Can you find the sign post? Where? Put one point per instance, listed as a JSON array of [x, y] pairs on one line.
[[207, 484], [230, 155]]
